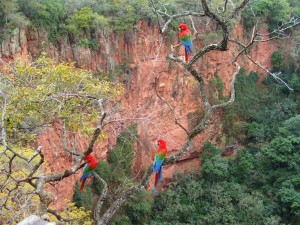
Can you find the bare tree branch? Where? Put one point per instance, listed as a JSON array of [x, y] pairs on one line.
[[237, 9], [37, 152], [95, 135], [64, 140], [274, 75], [154, 9], [170, 107], [3, 131], [171, 18], [101, 198], [232, 89], [245, 50]]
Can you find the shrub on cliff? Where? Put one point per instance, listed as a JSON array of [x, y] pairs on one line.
[[85, 21]]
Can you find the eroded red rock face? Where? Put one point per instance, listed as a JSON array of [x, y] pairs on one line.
[[144, 51]]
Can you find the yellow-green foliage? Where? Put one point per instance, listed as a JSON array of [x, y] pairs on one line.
[[76, 216], [46, 90], [16, 202]]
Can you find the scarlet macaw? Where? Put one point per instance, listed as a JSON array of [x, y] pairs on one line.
[[88, 168], [158, 161], [185, 36]]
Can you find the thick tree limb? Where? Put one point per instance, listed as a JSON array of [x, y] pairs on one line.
[[3, 131], [96, 133], [232, 90], [237, 9], [101, 198]]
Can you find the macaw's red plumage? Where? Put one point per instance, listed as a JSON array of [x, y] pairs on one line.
[[91, 164], [185, 36], [158, 161]]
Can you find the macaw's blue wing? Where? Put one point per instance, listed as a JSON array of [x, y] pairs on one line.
[[86, 171], [157, 165]]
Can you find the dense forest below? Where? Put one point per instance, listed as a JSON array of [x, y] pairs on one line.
[[258, 184]]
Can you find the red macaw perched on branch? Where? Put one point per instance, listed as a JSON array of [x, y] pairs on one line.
[[88, 168], [158, 161], [185, 36]]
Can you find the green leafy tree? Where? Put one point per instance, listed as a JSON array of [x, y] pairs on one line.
[[280, 150], [84, 198], [85, 21], [291, 126], [121, 157], [215, 168], [196, 201], [10, 18], [138, 208], [277, 61], [295, 8], [242, 167], [256, 131], [104, 171], [275, 12], [10, 14], [45, 13], [289, 195]]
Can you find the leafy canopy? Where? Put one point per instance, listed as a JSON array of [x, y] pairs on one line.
[[44, 91]]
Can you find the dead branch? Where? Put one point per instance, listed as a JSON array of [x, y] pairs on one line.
[[38, 165], [95, 135], [237, 9], [101, 198], [64, 140], [257, 37], [193, 26], [232, 90], [168, 104], [274, 75], [3, 131], [37, 152]]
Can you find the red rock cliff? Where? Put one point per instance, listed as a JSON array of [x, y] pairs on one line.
[[145, 57]]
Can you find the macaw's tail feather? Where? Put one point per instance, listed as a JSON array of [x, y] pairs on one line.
[[156, 179], [186, 56], [82, 185], [187, 52], [160, 176], [154, 190]]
